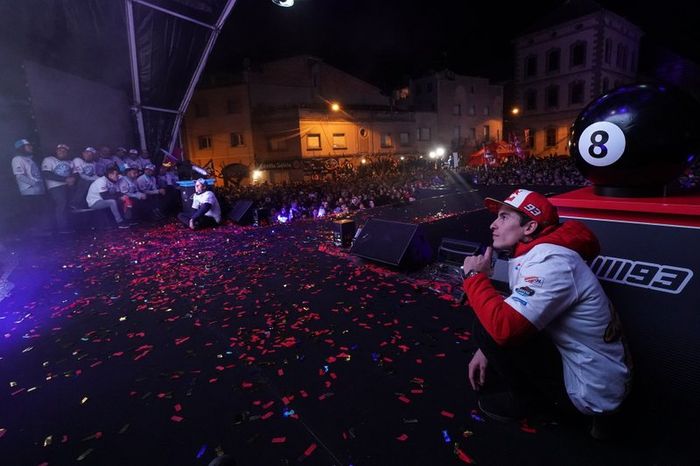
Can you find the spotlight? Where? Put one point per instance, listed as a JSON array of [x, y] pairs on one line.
[[283, 3], [257, 174], [440, 151]]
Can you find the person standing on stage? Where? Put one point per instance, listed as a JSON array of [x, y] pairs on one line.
[[555, 341]]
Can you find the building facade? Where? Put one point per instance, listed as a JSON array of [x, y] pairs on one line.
[[278, 120], [469, 110], [574, 56]]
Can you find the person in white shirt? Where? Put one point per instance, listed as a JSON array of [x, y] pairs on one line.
[[59, 173], [207, 210], [32, 209], [556, 341], [86, 169], [103, 194], [133, 198]]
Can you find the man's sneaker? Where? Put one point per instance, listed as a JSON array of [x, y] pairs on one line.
[[502, 406], [123, 226]]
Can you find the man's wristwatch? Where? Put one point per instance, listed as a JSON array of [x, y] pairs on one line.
[[467, 274]]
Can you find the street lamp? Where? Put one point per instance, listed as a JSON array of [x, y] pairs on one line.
[[515, 111], [440, 151], [335, 106]]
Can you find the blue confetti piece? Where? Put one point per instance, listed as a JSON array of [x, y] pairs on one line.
[[201, 451], [446, 436]]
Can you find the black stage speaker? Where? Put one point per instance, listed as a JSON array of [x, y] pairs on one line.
[[343, 232], [394, 243], [242, 212]]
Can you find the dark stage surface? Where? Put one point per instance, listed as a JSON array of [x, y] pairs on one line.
[[162, 346]]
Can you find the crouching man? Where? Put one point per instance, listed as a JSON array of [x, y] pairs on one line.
[[555, 341]]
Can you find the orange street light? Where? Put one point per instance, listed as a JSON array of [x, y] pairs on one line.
[[515, 110], [335, 106]]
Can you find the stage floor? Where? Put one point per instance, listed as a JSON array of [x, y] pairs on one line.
[[163, 346]]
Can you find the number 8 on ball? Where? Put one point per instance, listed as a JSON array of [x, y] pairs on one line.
[[601, 144]]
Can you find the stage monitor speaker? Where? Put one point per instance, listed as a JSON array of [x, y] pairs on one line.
[[242, 212], [394, 243], [343, 232]]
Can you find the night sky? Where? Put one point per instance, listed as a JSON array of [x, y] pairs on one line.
[[385, 41]]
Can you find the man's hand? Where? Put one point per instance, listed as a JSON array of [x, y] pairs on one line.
[[480, 263], [477, 370]]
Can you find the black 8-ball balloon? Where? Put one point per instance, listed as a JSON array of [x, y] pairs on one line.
[[636, 138]]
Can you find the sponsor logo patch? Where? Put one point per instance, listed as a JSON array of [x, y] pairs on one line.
[[525, 291], [535, 281], [518, 300]]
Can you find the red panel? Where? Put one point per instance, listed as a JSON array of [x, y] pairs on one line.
[[676, 210]]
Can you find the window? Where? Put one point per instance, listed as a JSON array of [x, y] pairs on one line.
[[576, 92], [277, 144], [423, 134], [339, 141], [487, 133], [608, 51], [553, 59], [233, 106], [236, 139], [551, 137], [531, 66], [578, 54], [552, 97], [204, 142], [386, 140], [529, 134], [624, 58], [472, 109], [486, 110], [618, 56], [606, 84], [456, 109], [313, 142], [472, 134], [456, 132], [633, 62], [531, 99], [404, 139], [201, 109]]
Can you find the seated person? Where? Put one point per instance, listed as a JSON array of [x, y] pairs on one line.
[[103, 194], [207, 210]]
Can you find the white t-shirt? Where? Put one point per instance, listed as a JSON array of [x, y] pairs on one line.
[[210, 198], [59, 167], [554, 289], [23, 165], [86, 170], [100, 185]]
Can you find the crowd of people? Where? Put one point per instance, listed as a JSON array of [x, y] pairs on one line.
[[129, 185], [124, 182], [351, 189], [546, 171]]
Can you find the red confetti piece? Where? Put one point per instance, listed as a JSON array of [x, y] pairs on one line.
[[176, 418], [402, 438], [267, 415], [310, 450], [246, 384], [178, 408], [527, 428], [280, 372], [279, 439], [417, 391], [268, 404], [419, 361], [463, 456], [447, 414], [404, 399]]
